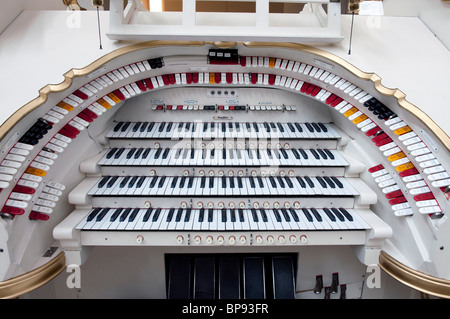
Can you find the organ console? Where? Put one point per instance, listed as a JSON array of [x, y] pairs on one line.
[[256, 171]]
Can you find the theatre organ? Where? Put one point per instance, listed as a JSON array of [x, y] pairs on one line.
[[200, 169]]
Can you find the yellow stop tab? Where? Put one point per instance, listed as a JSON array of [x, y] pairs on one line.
[[396, 156], [65, 106], [114, 98], [212, 78], [35, 171], [271, 62], [351, 111], [359, 119], [103, 103], [404, 167], [402, 130]]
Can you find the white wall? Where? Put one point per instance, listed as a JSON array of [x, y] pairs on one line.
[[435, 14]]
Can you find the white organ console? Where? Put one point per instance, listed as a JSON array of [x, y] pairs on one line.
[[202, 167]]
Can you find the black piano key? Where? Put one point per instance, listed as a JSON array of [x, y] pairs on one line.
[[132, 181], [187, 216], [138, 153], [316, 127], [281, 182], [229, 277], [266, 126], [140, 181], [277, 215], [182, 182], [125, 126], [231, 182], [136, 126], [156, 214], [254, 215], [191, 181], [252, 181], [111, 152], [203, 182], [133, 214], [174, 182], [143, 127], [323, 127], [284, 153], [329, 214], [145, 154], [112, 181], [301, 181], [170, 215], [338, 214], [117, 126], [272, 182], [283, 277], [298, 127], [316, 214], [179, 214], [92, 214], [224, 182], [210, 215], [224, 215], [124, 214], [260, 181], [211, 182], [102, 214], [291, 127], [147, 214], [322, 153], [118, 153], [204, 278], [309, 181], [346, 214], [124, 182], [153, 182], [263, 215], [329, 181], [337, 181], [280, 127], [288, 182], [157, 153], [103, 181], [233, 215], [179, 281], [169, 126], [285, 214], [115, 214], [165, 153], [294, 214], [201, 215], [241, 215], [303, 153], [254, 278], [307, 214], [296, 154], [328, 152], [315, 154], [255, 127], [239, 180], [161, 126], [321, 181], [309, 127], [150, 126]]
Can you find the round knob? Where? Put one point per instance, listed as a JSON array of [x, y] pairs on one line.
[[259, 239], [209, 239], [303, 239], [281, 239], [197, 239], [180, 239], [293, 239], [242, 239], [220, 239], [139, 239], [270, 239], [232, 240]]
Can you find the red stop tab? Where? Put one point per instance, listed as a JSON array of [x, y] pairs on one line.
[[315, 91], [38, 216], [425, 196], [376, 168], [397, 200], [195, 77], [243, 61], [336, 101], [271, 79], [13, 210], [141, 85], [23, 189], [394, 194], [384, 141], [81, 95], [379, 137], [373, 131], [148, 83], [119, 95], [254, 78], [217, 78], [409, 172]]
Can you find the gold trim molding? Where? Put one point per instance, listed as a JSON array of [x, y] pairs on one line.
[[414, 278], [34, 279]]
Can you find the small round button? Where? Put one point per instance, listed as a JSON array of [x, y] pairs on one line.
[[270, 239], [232, 240], [180, 239], [197, 239], [209, 239], [281, 239], [242, 239], [293, 239], [303, 239], [139, 239], [259, 239], [220, 239]]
